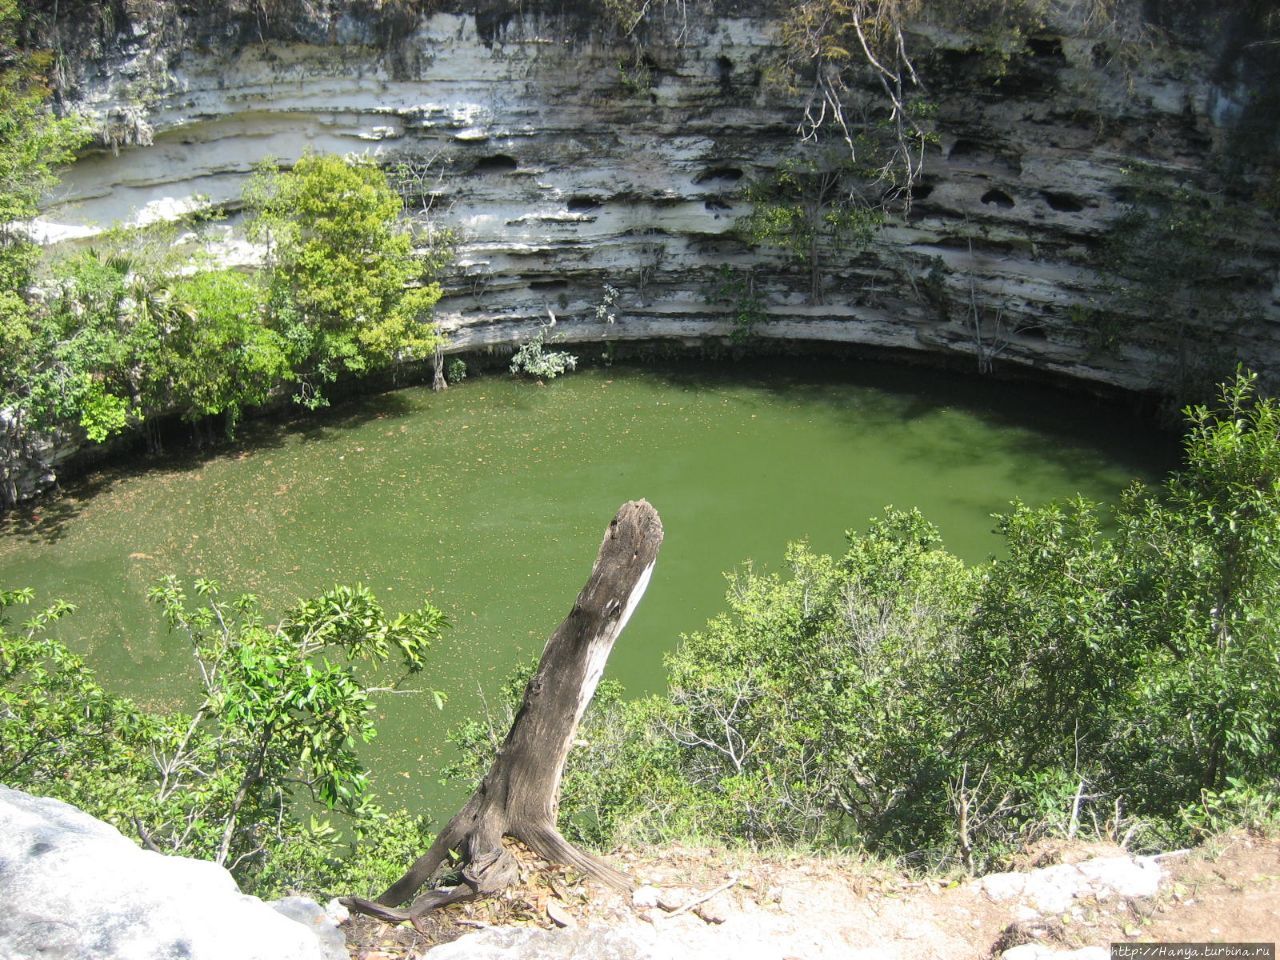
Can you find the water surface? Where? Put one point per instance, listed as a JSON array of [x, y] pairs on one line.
[[491, 498]]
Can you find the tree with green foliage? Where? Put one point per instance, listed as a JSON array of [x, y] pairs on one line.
[[274, 732], [33, 142], [1140, 667], [345, 288], [806, 208], [228, 358], [61, 733], [74, 345], [108, 343], [802, 707], [78, 360], [1203, 557]]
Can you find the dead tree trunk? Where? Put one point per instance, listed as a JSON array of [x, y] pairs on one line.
[[520, 795], [438, 381]]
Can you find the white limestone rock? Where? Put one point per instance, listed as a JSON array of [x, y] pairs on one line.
[[642, 898], [75, 887], [337, 912], [1053, 889], [317, 919]]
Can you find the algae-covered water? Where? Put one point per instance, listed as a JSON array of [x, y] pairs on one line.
[[491, 499]]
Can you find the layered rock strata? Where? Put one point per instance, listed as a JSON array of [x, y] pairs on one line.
[[568, 159]]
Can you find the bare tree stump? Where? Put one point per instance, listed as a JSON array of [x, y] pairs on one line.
[[520, 795]]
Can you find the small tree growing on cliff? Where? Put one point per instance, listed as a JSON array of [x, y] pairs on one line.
[[346, 290], [805, 207]]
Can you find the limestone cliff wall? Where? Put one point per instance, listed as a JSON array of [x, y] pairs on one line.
[[565, 169]]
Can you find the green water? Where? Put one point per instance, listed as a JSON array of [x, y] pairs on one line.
[[491, 498]]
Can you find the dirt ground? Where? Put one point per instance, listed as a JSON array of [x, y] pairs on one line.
[[809, 908]]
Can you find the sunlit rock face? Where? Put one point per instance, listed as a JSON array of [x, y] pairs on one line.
[[75, 887], [566, 162]]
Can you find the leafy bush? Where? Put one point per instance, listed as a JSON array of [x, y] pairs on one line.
[[1253, 808], [1123, 683], [342, 269], [228, 358], [533, 359], [242, 779]]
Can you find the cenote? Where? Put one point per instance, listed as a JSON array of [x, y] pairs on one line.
[[490, 500]]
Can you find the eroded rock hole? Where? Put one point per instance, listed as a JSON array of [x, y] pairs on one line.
[[583, 204], [498, 163], [1062, 202], [548, 286], [718, 205], [1047, 48], [999, 198], [724, 72], [719, 175]]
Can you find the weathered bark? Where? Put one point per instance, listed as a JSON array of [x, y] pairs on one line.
[[520, 795], [438, 381]]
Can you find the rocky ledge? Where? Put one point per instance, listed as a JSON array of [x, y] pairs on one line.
[[76, 888]]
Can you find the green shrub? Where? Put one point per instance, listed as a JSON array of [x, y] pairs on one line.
[[1113, 674], [239, 780], [532, 359], [346, 290]]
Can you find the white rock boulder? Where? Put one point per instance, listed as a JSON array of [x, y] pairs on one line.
[[75, 888], [1054, 889]]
